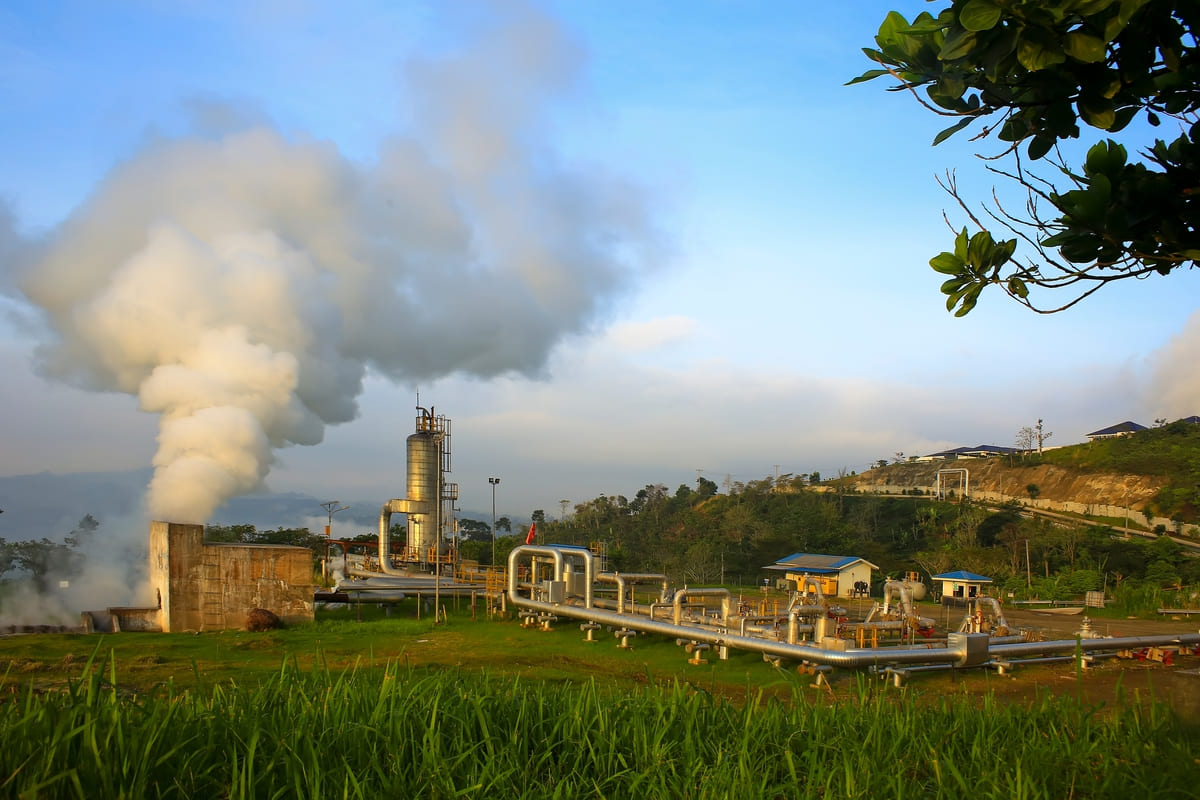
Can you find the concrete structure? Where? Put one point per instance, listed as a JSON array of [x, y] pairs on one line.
[[212, 586], [838, 574], [960, 585]]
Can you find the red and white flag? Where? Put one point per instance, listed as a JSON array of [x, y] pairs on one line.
[[532, 532]]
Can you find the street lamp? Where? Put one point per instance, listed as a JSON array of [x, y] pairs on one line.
[[493, 482], [333, 506]]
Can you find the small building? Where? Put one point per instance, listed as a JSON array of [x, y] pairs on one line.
[[837, 574], [978, 451], [1113, 431], [960, 585]]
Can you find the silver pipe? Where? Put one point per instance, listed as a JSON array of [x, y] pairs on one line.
[[959, 655], [385, 521], [589, 570], [1090, 645], [621, 579], [906, 603], [685, 592], [843, 658], [803, 584], [994, 604]]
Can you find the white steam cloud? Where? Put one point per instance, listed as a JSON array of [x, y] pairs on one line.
[[241, 287], [1175, 389]]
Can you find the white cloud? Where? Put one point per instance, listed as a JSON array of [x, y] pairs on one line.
[[651, 334]]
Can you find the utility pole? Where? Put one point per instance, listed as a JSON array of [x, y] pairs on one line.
[[332, 507], [1028, 574], [493, 482]]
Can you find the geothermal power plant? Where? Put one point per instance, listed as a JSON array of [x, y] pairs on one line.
[[203, 586]]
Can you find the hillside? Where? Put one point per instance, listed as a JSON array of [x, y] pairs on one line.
[[1151, 478], [995, 476]]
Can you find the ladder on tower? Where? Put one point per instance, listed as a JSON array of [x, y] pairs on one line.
[[212, 607]]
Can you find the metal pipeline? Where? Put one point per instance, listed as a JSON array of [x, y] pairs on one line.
[[961, 650], [720, 638], [802, 589], [385, 521], [1090, 645], [559, 555], [623, 579], [905, 594], [973, 622], [682, 594]]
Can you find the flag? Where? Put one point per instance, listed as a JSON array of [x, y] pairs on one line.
[[532, 531]]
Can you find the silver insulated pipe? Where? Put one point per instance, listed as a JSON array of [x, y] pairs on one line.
[[961, 650]]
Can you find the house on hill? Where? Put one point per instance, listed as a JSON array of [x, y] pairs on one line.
[[1113, 431], [837, 574], [978, 451]]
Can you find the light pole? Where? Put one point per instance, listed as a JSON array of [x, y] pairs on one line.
[[332, 507], [493, 482]]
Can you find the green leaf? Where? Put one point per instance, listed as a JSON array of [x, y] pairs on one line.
[[1084, 47], [969, 300], [1017, 287], [1014, 129], [893, 23], [954, 285], [953, 129], [1097, 113], [1002, 252], [946, 263], [1105, 158], [867, 76], [959, 42], [960, 244], [1036, 52], [979, 15], [1039, 146], [1086, 7]]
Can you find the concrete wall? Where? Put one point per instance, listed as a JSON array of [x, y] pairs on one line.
[[213, 586]]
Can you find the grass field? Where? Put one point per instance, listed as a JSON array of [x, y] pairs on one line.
[[398, 707]]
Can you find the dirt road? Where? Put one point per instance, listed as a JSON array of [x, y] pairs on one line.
[[1112, 682]]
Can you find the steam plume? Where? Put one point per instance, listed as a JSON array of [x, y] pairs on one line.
[[1175, 391], [241, 286]]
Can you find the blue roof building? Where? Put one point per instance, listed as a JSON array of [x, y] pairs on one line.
[[960, 585], [838, 574]]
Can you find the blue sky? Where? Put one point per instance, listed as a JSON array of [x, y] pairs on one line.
[[766, 307]]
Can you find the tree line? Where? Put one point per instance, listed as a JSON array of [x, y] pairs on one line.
[[699, 536]]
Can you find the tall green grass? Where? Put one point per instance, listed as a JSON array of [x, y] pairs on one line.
[[412, 733]]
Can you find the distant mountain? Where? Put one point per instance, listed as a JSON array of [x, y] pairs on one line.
[[48, 505]]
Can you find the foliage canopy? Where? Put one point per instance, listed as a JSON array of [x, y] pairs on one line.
[[1029, 72]]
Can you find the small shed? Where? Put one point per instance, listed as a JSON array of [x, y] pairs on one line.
[[838, 574], [960, 585]]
